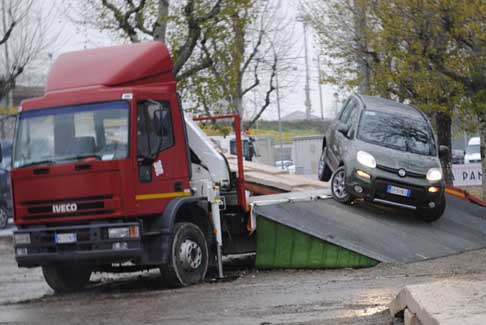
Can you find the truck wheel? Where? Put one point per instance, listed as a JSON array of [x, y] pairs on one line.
[[188, 260], [323, 172], [431, 215], [66, 278], [338, 186], [3, 218]]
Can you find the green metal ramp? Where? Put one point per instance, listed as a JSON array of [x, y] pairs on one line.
[[322, 233], [279, 246]]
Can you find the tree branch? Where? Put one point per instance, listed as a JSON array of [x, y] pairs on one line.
[[267, 96]]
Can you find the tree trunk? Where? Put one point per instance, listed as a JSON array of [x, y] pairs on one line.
[[161, 26], [443, 123], [482, 135]]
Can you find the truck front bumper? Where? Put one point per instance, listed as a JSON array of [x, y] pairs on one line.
[[89, 243]]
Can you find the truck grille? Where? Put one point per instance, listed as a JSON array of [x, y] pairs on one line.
[[81, 206]]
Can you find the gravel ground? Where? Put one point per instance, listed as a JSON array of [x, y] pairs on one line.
[[247, 297]]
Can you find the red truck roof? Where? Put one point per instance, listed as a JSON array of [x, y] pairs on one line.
[[111, 66]]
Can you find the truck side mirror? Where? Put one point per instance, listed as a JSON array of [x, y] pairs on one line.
[[443, 151]]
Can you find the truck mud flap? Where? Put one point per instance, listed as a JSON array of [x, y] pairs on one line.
[[326, 234]]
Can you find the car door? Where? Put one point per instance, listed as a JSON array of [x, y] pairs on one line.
[[335, 141], [342, 141]]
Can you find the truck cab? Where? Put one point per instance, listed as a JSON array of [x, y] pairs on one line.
[[102, 172]]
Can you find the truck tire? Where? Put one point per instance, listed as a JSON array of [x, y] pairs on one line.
[[338, 186], [66, 278], [3, 217], [431, 215], [188, 260]]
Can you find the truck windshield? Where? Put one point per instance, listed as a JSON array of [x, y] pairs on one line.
[[66, 134], [404, 133]]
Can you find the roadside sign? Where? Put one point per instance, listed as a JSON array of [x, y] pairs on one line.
[[467, 175]]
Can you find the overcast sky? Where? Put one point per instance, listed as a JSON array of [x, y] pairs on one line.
[[75, 37]]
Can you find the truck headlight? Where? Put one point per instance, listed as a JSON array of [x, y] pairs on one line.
[[124, 232], [22, 239], [434, 174], [366, 159]]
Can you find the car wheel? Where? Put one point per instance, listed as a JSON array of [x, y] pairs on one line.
[[63, 278], [188, 262], [431, 215], [338, 186], [323, 172], [3, 218]]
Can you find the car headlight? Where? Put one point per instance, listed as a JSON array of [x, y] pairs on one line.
[[366, 159], [434, 174]]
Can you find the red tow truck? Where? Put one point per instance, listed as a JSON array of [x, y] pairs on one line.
[[109, 175]]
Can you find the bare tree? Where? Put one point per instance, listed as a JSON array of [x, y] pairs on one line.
[[143, 19], [25, 35]]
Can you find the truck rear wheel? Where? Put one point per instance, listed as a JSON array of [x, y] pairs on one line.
[[188, 262], [66, 278]]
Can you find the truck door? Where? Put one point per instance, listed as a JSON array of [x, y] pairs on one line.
[[161, 155]]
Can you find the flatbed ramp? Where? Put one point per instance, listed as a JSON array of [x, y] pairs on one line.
[[310, 233]]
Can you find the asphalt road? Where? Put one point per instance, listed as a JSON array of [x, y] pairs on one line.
[[248, 296]]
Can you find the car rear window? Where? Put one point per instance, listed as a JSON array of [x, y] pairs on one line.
[[400, 132]]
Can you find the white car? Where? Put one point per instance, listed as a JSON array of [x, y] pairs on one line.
[[287, 165], [473, 154]]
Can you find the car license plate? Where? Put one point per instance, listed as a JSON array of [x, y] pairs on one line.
[[65, 238], [398, 191]]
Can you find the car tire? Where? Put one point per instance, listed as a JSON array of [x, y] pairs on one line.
[[188, 260], [3, 217], [338, 186], [63, 278], [324, 172], [431, 215]]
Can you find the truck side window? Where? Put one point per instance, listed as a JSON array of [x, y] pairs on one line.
[[154, 127]]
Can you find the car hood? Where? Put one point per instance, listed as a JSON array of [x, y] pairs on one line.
[[397, 159]]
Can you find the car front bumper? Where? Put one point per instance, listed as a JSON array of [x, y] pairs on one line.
[[374, 189]]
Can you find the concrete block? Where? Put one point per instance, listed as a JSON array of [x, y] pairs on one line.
[[445, 302]]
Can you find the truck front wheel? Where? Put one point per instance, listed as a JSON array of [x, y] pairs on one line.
[[66, 278], [188, 262]]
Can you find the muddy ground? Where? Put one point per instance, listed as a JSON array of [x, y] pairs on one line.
[[248, 296]]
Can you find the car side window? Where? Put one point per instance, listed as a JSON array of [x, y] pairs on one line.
[[154, 127], [345, 110], [349, 111]]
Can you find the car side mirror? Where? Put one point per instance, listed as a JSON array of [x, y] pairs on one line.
[[443, 151], [343, 128]]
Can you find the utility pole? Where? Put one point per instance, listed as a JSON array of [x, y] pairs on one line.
[[307, 103], [278, 108], [319, 85]]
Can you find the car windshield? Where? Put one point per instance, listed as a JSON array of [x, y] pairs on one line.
[[473, 148], [61, 135], [400, 132]]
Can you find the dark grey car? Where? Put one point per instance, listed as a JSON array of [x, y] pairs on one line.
[[384, 152]]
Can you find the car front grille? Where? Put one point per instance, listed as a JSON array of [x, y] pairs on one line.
[[395, 171]]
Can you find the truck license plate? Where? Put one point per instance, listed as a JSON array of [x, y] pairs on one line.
[[398, 191], [65, 238]]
